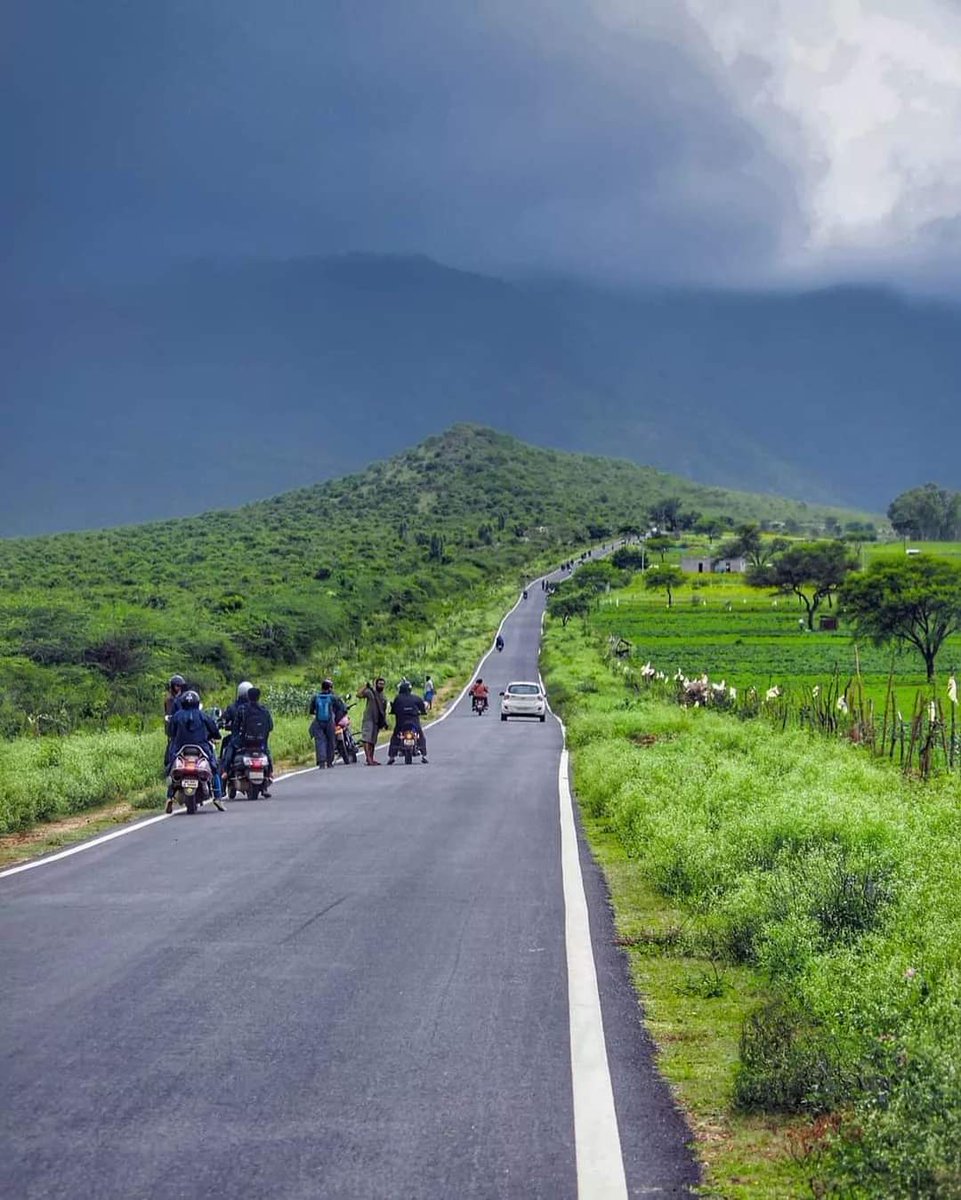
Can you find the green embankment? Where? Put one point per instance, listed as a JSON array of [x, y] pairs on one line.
[[790, 909]]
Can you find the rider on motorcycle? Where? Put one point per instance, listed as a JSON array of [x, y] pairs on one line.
[[252, 731], [190, 726], [232, 718], [499, 642], [407, 710], [479, 694]]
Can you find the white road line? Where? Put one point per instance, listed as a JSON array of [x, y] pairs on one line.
[[597, 1140], [107, 837]]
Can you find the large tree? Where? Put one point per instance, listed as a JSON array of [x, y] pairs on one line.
[[913, 600], [664, 579], [748, 543], [812, 571], [929, 514]]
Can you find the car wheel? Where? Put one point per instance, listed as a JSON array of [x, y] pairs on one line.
[[503, 717], [543, 718]]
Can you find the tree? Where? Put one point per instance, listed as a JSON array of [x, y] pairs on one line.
[[664, 579], [915, 600], [659, 544], [710, 527], [748, 543], [569, 604], [929, 514], [630, 558], [812, 571], [664, 514]]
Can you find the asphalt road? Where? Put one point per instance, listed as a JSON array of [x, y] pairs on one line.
[[358, 988]]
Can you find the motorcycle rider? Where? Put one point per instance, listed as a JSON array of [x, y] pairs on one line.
[[499, 642], [191, 726], [407, 709], [479, 695], [173, 699], [375, 717], [231, 720], [253, 732]]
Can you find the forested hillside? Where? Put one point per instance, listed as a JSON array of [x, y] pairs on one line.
[[91, 624]]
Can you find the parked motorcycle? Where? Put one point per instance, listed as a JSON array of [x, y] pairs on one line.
[[346, 746], [192, 777]]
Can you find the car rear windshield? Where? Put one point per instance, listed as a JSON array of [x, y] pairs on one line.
[[524, 689]]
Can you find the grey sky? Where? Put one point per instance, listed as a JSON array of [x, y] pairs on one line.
[[706, 141]]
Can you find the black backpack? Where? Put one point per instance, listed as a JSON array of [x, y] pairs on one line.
[[255, 725]]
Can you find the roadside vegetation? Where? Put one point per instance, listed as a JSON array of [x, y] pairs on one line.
[[788, 901]]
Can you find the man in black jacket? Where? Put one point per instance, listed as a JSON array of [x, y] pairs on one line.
[[253, 731], [407, 709]]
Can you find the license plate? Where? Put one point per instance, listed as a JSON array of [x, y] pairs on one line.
[[190, 785], [256, 777]]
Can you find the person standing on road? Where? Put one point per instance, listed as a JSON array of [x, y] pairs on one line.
[[429, 693], [375, 717], [323, 708]]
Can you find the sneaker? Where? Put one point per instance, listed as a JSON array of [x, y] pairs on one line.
[[218, 804], [169, 806], [390, 762], [423, 759], [265, 794]]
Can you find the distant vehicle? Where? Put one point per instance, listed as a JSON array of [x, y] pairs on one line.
[[523, 699]]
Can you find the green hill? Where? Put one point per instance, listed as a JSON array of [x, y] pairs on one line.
[[92, 623]]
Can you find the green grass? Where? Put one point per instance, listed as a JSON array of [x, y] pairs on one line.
[[823, 886], [752, 639]]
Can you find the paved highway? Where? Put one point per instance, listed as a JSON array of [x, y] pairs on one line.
[[358, 988]]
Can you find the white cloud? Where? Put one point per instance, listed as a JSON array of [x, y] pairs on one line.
[[862, 100]]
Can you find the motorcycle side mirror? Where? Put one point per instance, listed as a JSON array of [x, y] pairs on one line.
[[347, 695], [500, 693], [216, 713]]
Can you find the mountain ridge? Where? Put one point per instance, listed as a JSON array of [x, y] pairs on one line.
[[306, 368]]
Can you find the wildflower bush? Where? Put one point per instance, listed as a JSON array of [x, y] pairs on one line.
[[831, 875]]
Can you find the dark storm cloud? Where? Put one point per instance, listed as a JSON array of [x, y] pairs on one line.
[[524, 135]]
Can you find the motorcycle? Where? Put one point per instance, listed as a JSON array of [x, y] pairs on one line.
[[346, 746], [248, 773], [192, 777], [479, 704], [409, 744], [499, 644]]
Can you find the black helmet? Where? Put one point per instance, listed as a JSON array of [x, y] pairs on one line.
[[404, 688], [177, 681], [327, 685], [190, 700]]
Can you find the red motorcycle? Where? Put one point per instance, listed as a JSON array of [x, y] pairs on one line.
[[193, 779]]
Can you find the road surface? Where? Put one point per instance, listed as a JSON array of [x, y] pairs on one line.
[[358, 988]]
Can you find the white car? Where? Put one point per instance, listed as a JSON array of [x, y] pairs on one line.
[[523, 699]]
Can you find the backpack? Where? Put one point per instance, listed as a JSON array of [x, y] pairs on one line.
[[254, 726], [324, 706]]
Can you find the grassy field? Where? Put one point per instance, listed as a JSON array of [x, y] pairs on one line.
[[750, 638], [790, 910]]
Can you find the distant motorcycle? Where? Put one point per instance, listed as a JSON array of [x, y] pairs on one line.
[[499, 644], [193, 779]]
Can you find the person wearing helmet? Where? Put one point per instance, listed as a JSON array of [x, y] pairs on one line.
[[407, 709], [326, 709], [172, 701], [232, 721], [191, 726]]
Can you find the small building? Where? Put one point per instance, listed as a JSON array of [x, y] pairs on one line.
[[714, 566]]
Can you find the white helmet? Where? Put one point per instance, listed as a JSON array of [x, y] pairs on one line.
[[243, 689]]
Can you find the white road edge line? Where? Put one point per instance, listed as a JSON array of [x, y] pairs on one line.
[[117, 833], [597, 1138]]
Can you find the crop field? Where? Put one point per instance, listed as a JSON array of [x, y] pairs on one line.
[[720, 626]]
